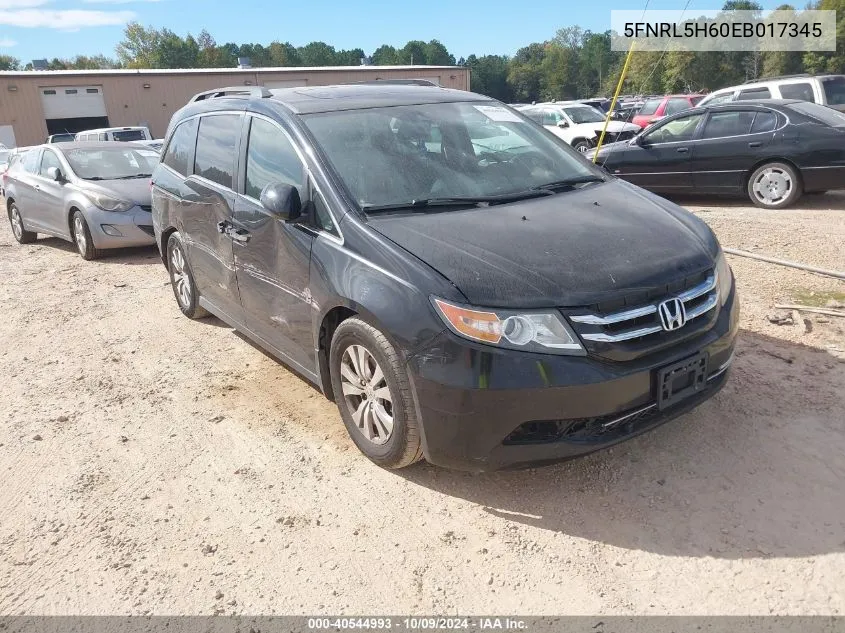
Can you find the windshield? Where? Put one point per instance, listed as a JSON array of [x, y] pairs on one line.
[[584, 114], [128, 135], [820, 113], [834, 90], [395, 155], [111, 164]]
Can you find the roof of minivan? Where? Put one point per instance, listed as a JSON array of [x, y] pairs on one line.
[[114, 129], [358, 96]]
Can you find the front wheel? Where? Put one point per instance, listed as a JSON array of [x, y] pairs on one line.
[[21, 234], [373, 394], [82, 237], [774, 186], [582, 146]]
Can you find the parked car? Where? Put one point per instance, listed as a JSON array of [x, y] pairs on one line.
[[116, 134], [61, 138], [655, 108], [578, 124], [477, 308], [96, 195], [826, 90], [12, 155], [772, 151]]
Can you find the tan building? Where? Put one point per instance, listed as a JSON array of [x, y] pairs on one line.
[[34, 104]]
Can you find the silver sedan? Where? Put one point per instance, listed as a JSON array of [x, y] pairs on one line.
[[96, 195]]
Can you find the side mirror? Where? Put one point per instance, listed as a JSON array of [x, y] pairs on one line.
[[562, 124], [638, 140], [282, 200], [54, 173]]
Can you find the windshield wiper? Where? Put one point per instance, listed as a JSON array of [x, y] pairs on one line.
[[568, 183], [131, 177], [426, 203]]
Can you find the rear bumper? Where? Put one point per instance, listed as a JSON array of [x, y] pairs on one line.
[[471, 399], [823, 178], [120, 230]]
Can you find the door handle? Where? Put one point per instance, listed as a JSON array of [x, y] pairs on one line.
[[682, 150], [755, 144]]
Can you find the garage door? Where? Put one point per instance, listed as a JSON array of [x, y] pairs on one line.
[[285, 83], [71, 102]]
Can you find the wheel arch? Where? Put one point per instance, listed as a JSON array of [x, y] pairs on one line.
[[765, 161], [163, 239]]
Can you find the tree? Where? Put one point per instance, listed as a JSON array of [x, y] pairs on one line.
[[283, 54], [437, 55], [525, 72], [173, 51], [414, 52], [832, 61], [7, 62], [318, 54], [139, 46], [385, 55], [558, 73], [489, 76]]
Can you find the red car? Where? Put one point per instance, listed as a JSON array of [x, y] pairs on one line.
[[658, 107]]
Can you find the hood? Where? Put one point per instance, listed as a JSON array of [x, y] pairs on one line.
[[594, 129], [572, 249], [136, 190]]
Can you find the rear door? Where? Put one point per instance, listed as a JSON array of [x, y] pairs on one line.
[[25, 192], [732, 142], [206, 207], [661, 162], [272, 257]]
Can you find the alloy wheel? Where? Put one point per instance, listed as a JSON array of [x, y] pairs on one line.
[[79, 234], [772, 185], [17, 223], [181, 281], [367, 394]]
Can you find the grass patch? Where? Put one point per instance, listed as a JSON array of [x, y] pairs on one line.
[[818, 298]]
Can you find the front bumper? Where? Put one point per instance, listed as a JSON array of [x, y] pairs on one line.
[[110, 229], [478, 405]]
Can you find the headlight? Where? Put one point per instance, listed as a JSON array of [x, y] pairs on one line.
[[527, 331], [725, 277], [109, 203]]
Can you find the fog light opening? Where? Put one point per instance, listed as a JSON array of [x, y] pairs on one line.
[[108, 229]]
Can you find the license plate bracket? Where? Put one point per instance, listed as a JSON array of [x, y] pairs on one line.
[[681, 380]]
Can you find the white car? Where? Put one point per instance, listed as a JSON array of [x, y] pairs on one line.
[[828, 90], [578, 124]]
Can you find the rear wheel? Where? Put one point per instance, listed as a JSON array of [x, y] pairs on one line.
[[774, 186], [82, 237], [373, 394], [21, 234], [182, 279]]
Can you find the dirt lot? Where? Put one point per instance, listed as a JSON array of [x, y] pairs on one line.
[[151, 464]]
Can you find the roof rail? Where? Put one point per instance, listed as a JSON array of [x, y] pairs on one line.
[[255, 92], [776, 77]]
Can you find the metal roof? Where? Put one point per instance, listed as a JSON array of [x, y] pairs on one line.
[[201, 71]]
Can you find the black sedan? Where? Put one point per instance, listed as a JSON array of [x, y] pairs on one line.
[[770, 150]]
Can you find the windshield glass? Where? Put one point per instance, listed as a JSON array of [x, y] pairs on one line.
[[111, 164], [395, 155], [820, 113], [128, 135], [834, 90], [584, 114]]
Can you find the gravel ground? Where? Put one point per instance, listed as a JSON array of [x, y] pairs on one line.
[[151, 464]]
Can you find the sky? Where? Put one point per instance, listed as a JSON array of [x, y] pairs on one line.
[[34, 29]]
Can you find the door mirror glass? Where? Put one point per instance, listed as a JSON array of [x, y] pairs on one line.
[[282, 200], [54, 173]]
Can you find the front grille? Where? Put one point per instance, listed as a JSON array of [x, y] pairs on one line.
[[146, 207], [630, 326], [607, 428], [146, 228]]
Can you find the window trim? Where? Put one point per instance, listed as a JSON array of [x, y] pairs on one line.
[[310, 181], [169, 140], [235, 159]]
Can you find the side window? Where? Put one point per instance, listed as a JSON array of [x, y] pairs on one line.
[[754, 93], [217, 144], [103, 136], [181, 146], [30, 162], [48, 159], [271, 158], [721, 124], [764, 122], [535, 115], [676, 104], [322, 217], [728, 96], [802, 91], [680, 129]]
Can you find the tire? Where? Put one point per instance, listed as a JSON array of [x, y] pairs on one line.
[[16, 221], [182, 279], [774, 186], [358, 351], [82, 236], [582, 146]]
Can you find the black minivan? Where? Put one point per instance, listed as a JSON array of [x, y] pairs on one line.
[[463, 284]]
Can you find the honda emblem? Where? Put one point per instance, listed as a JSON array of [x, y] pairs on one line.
[[673, 315]]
